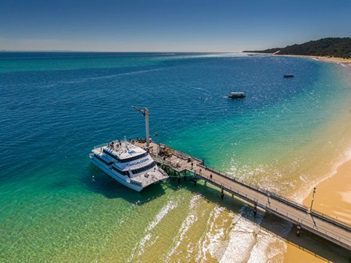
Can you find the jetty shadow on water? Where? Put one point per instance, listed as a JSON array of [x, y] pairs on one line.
[[101, 183], [272, 224]]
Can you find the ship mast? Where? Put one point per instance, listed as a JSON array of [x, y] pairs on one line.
[[145, 112]]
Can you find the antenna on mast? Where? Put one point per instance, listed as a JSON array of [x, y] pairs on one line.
[[145, 112]]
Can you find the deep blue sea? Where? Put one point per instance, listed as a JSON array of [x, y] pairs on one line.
[[54, 107]]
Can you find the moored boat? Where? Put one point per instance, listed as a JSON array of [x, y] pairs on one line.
[[236, 95], [128, 164]]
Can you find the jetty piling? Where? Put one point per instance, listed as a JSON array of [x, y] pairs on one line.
[[304, 218]]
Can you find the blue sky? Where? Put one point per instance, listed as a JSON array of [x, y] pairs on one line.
[[165, 25]]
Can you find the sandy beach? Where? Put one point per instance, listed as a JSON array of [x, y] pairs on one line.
[[323, 58], [332, 196], [332, 59]]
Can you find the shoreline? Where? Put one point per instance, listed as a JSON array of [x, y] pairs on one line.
[[333, 191], [301, 197], [336, 60], [346, 155], [337, 189], [330, 59], [333, 198]]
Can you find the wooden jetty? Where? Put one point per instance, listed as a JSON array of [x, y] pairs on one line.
[[181, 164]]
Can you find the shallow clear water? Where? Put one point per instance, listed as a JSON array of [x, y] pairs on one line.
[[55, 106]]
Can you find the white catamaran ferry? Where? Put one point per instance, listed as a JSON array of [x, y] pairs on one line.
[[128, 164]]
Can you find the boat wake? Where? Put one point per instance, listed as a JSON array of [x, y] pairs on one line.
[[89, 79]]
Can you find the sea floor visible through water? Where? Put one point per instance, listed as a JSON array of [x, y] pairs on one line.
[[285, 136]]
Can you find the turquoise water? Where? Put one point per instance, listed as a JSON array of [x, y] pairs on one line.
[[56, 106]]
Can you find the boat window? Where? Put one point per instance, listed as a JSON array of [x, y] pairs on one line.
[[110, 154], [133, 158], [127, 159], [120, 171], [103, 160], [143, 169]]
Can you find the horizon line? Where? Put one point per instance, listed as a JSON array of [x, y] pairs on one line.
[[106, 51]]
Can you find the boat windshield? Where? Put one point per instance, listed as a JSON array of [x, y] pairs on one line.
[[133, 158], [143, 169]]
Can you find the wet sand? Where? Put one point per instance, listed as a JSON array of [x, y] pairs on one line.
[[323, 58], [332, 197], [295, 254], [332, 59]]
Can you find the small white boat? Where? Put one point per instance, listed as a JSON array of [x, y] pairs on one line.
[[237, 95], [128, 164]]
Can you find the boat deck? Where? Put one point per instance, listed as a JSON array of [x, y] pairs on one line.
[[140, 179]]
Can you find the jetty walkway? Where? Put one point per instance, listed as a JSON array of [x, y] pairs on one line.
[[312, 221]]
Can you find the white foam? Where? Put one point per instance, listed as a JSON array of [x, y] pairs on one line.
[[344, 158], [302, 178], [210, 242], [186, 224], [248, 242], [242, 238], [268, 247], [194, 201], [148, 232], [263, 251], [161, 214], [215, 241], [124, 74], [83, 80]]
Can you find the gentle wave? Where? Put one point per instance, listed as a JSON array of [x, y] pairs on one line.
[[84, 80], [248, 242], [266, 248], [300, 196], [242, 238], [186, 224], [211, 242], [147, 235]]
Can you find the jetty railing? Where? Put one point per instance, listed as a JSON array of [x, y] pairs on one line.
[[325, 226]]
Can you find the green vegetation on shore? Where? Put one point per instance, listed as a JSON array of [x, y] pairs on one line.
[[335, 47]]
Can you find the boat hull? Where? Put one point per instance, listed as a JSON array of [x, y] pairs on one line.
[[112, 174], [237, 95]]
